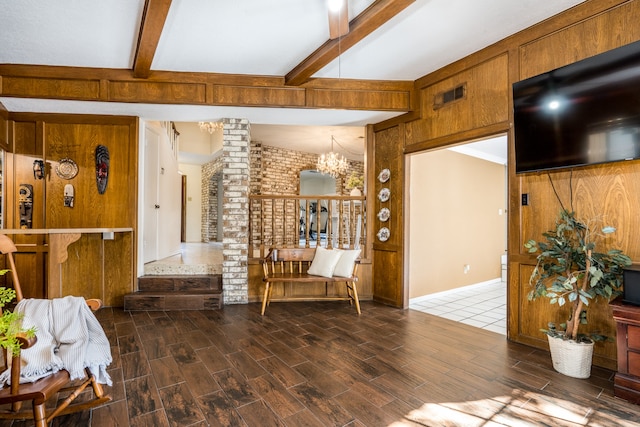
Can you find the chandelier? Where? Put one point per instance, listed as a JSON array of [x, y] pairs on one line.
[[332, 163], [210, 126]]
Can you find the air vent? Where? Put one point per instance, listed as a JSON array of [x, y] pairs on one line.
[[444, 98]]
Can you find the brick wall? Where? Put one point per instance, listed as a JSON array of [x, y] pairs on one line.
[[209, 226], [280, 168], [276, 170]]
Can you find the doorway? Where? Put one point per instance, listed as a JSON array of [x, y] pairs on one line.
[[458, 233]]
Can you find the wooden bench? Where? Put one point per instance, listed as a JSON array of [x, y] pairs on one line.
[[290, 265]]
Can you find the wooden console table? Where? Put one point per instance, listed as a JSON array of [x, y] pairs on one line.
[[627, 379]]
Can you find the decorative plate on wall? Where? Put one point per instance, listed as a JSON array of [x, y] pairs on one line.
[[384, 194], [67, 169], [383, 234], [384, 175], [384, 214]]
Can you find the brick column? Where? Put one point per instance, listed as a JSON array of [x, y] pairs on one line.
[[235, 157], [209, 186]]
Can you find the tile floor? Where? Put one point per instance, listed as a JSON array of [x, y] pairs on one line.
[[483, 305], [194, 258]]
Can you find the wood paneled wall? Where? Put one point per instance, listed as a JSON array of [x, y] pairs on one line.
[[388, 269], [607, 191], [95, 268]]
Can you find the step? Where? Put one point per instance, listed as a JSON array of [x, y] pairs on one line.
[[173, 300], [179, 283], [160, 269]]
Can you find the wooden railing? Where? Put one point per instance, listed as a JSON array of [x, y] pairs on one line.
[[306, 221]]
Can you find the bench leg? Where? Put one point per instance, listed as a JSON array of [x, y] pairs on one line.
[[355, 296], [265, 298]]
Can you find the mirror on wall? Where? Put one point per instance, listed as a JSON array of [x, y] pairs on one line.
[[315, 183]]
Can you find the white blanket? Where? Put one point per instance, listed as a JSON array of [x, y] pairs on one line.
[[69, 337]]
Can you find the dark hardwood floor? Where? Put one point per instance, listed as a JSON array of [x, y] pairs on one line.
[[319, 364]]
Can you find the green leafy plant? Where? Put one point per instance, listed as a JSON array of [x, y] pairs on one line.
[[355, 181], [11, 322], [569, 270]]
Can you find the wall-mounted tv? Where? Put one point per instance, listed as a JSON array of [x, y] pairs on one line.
[[584, 113]]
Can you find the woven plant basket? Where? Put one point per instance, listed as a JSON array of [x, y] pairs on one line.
[[571, 358]]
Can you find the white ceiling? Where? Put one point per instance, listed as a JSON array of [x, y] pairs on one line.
[[258, 37]]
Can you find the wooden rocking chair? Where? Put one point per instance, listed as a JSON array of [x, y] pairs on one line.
[[44, 389]]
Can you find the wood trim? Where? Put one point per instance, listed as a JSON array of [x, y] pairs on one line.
[[74, 118], [153, 19], [109, 85], [395, 121], [360, 27], [4, 129], [466, 136]]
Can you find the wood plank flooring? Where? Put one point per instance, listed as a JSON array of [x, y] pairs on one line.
[[319, 364]]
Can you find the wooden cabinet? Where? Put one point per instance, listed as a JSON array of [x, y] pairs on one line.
[[627, 379]]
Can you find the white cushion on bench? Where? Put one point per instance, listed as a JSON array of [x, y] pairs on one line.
[[347, 260], [324, 262]]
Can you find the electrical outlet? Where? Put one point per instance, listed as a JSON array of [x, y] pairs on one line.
[[525, 199]]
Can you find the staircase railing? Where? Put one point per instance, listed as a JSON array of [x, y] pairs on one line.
[[306, 221]]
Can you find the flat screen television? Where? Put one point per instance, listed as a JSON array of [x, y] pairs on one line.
[[584, 113]]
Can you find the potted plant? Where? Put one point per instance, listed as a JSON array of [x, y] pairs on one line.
[[11, 323], [354, 183], [569, 270]]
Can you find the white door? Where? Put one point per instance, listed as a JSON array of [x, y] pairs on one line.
[[150, 214]]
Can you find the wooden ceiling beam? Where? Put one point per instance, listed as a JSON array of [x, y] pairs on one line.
[[153, 19], [361, 26]]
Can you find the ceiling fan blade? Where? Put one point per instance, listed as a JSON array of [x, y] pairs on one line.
[[338, 18]]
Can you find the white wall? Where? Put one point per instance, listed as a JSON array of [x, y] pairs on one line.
[[457, 218], [197, 146], [194, 201]]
